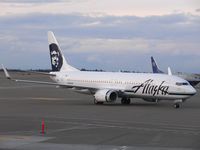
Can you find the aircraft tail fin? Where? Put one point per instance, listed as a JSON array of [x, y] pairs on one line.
[[169, 71], [155, 67], [58, 62]]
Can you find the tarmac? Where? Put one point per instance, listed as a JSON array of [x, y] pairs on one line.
[[73, 122]]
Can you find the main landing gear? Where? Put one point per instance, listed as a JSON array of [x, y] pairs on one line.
[[125, 100]]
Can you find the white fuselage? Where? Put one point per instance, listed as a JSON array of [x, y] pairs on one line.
[[143, 85]]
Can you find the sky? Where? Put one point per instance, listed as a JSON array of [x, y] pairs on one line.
[[111, 35]]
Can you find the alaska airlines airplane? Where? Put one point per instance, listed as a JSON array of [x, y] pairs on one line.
[[189, 78], [108, 87]]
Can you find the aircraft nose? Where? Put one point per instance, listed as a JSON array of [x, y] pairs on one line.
[[192, 91]]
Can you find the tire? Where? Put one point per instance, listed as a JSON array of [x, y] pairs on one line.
[[176, 105], [125, 101], [128, 101]]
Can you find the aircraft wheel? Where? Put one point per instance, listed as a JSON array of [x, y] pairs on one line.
[[125, 100], [176, 105], [128, 101]]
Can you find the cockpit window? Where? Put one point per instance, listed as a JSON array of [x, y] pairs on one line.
[[181, 83]]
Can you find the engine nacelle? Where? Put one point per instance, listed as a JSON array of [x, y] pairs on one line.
[[106, 96], [150, 100]]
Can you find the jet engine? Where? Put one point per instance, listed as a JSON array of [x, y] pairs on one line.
[[106, 96]]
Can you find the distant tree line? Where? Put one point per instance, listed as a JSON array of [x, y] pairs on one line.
[[83, 69], [31, 70]]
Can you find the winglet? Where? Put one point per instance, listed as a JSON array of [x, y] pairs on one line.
[[6, 72], [169, 71]]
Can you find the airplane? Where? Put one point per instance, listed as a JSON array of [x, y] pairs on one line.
[[108, 87], [189, 78]]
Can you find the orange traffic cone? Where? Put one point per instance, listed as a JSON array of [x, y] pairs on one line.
[[43, 127]]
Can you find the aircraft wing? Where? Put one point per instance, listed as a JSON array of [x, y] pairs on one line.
[[41, 73], [46, 83], [28, 81]]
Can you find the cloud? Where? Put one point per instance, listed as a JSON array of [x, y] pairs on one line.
[[93, 7], [138, 46], [77, 25], [24, 7], [90, 24], [32, 1], [104, 42]]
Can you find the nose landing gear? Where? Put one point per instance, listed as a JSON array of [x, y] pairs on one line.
[[177, 103]]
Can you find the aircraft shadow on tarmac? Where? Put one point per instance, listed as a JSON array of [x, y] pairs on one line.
[[187, 105]]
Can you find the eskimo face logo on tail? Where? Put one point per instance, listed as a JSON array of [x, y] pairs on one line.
[[149, 88], [56, 57]]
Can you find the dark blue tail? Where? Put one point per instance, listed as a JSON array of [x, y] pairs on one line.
[[155, 67]]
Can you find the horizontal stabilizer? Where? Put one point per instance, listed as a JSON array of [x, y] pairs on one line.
[[41, 73]]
